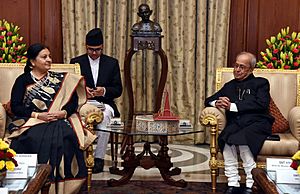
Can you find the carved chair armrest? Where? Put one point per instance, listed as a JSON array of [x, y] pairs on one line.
[[3, 117], [91, 115], [294, 121], [213, 116]]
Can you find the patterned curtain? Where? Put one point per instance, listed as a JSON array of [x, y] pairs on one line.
[[195, 41]]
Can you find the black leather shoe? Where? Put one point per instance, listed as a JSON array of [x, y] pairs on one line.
[[98, 165], [231, 190], [247, 191]]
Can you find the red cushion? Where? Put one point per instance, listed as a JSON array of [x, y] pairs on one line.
[[280, 124], [7, 108]]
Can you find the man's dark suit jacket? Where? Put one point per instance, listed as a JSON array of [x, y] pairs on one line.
[[108, 77]]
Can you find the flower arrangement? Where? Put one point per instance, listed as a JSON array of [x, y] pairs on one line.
[[12, 50], [296, 162], [7, 161], [282, 52]]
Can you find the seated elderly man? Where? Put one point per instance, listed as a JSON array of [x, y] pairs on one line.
[[246, 102]]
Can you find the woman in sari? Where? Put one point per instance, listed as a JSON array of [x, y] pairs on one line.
[[47, 123]]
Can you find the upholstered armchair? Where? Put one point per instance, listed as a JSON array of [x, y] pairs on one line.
[[285, 92], [90, 114]]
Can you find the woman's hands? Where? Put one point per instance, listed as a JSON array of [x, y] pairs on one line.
[[48, 117]]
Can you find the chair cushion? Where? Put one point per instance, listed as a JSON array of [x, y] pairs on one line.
[[280, 124], [287, 146]]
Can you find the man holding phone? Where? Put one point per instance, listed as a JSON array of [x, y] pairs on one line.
[[103, 85]]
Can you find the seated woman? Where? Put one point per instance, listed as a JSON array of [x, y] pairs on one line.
[[46, 123]]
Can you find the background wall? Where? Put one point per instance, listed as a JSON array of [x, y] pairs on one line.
[[251, 22], [39, 20]]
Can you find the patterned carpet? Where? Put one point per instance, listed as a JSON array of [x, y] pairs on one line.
[[153, 187]]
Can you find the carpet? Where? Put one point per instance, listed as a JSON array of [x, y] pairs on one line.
[[153, 187]]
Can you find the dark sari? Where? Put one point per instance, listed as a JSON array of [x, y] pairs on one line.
[[58, 143]]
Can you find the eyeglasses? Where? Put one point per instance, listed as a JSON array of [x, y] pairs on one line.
[[97, 50], [240, 66]]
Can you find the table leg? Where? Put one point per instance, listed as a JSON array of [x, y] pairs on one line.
[[164, 164], [130, 162]]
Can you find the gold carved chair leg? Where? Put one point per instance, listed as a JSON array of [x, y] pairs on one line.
[[211, 121], [92, 119]]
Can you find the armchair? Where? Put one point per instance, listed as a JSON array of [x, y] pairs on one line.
[[90, 114], [285, 91]]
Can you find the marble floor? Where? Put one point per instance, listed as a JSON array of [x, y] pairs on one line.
[[192, 159]]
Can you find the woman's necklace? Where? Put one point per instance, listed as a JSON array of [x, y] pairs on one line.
[[44, 81]]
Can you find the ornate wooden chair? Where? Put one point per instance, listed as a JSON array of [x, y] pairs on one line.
[[285, 91]]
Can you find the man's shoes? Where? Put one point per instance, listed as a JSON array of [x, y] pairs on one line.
[[247, 190], [98, 165], [231, 190]]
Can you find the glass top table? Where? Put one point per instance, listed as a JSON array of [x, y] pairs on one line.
[[146, 159]]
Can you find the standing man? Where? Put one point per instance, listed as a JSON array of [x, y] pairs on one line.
[[246, 101], [103, 81]]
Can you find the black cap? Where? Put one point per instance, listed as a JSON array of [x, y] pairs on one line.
[[94, 37]]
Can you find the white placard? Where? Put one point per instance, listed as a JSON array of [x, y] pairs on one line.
[[274, 164], [3, 190], [21, 171], [287, 176], [26, 159]]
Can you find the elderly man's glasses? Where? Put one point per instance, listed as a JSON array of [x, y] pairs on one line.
[[97, 50], [241, 66]]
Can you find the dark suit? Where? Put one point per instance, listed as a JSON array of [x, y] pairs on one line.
[[108, 77], [252, 123]]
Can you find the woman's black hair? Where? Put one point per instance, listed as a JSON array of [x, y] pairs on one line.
[[32, 52]]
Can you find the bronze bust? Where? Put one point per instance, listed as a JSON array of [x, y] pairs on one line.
[[146, 26]]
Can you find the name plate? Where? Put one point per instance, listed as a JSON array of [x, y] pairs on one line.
[[287, 176], [26, 159], [274, 164], [19, 172], [3, 190]]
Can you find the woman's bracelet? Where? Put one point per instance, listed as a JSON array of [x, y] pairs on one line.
[[66, 114]]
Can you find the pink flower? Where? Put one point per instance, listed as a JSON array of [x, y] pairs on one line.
[[1, 37], [295, 50], [275, 51], [274, 58], [270, 66], [9, 33], [286, 67], [9, 42], [296, 64]]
